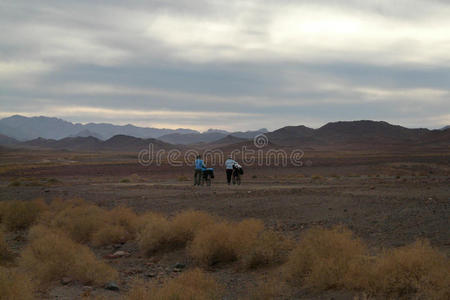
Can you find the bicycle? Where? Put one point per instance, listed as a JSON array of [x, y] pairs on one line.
[[236, 176]]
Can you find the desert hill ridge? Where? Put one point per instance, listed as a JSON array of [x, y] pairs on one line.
[[342, 135]]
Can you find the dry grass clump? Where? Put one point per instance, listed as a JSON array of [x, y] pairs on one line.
[[126, 218], [51, 255], [119, 225], [268, 248], [267, 289], [246, 241], [15, 285], [186, 224], [213, 245], [414, 269], [86, 223], [109, 234], [193, 284], [157, 233], [80, 222], [323, 257], [5, 253], [19, 215]]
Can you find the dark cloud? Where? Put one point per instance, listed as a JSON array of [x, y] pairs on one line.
[[230, 64]]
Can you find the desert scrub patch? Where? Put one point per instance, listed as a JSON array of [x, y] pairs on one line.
[[15, 285], [87, 223], [192, 284], [246, 241], [186, 224], [18, 215], [126, 218], [267, 288], [5, 254], [53, 181], [414, 269], [80, 222], [158, 233], [15, 183], [51, 255], [109, 234], [183, 178], [268, 248], [155, 234], [322, 258], [213, 245]]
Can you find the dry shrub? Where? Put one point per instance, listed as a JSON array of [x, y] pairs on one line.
[[109, 234], [323, 257], [155, 234], [213, 245], [3, 205], [85, 222], [267, 289], [126, 218], [186, 224], [19, 215], [358, 276], [80, 222], [119, 225], [246, 241], [51, 255], [414, 269], [15, 285], [269, 248], [5, 253], [193, 284]]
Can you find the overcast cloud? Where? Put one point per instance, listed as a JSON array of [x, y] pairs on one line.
[[227, 64]]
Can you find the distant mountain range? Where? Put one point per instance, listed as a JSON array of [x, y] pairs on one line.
[[123, 143], [24, 129], [348, 135], [358, 134], [208, 136]]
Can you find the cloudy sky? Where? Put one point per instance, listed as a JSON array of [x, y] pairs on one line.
[[227, 64]]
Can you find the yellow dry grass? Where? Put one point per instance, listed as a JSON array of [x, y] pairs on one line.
[[15, 285], [158, 233], [246, 241], [213, 245], [193, 284], [186, 224], [413, 269], [5, 253], [323, 257], [19, 215], [51, 255]]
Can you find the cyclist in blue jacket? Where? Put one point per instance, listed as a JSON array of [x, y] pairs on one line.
[[199, 166]]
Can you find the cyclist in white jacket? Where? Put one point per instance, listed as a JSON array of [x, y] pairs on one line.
[[229, 163]]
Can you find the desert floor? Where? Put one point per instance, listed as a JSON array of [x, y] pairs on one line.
[[388, 200]]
